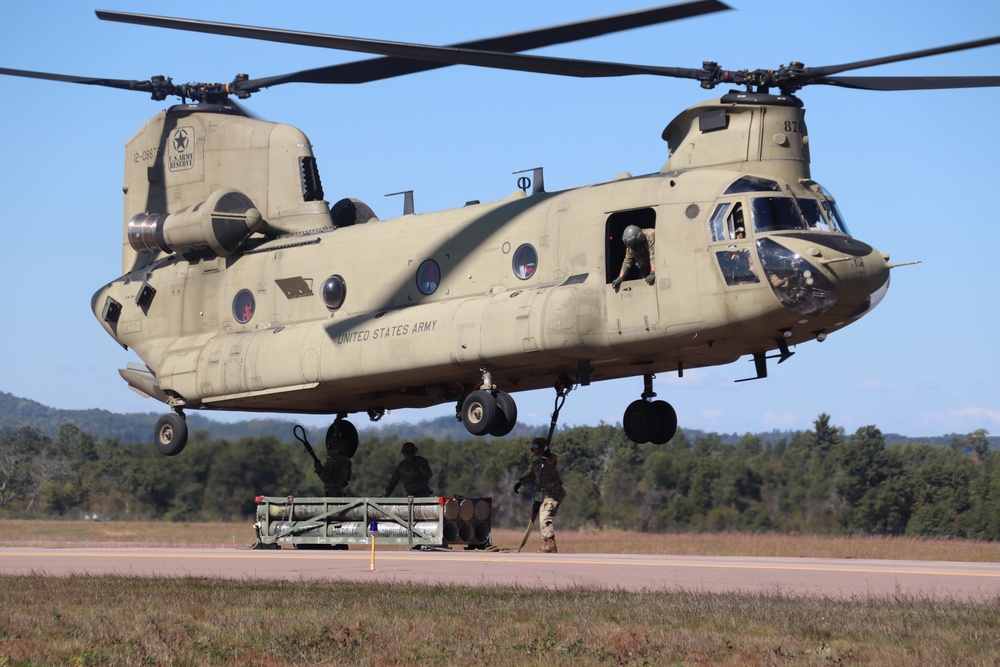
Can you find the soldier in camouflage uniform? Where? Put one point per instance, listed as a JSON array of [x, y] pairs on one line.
[[639, 245], [415, 472], [336, 472], [544, 471]]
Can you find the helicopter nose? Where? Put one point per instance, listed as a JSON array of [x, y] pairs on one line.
[[858, 278], [838, 276]]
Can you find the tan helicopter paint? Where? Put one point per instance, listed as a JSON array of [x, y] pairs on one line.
[[390, 346], [763, 139], [260, 157]]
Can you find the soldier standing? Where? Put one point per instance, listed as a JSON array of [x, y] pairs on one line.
[[336, 472], [414, 471], [550, 488]]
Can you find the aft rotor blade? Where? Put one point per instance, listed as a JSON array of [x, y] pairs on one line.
[[910, 82], [447, 55], [376, 69], [815, 72], [122, 84]]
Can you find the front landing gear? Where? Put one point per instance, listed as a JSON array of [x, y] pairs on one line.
[[649, 421], [485, 412], [171, 434]]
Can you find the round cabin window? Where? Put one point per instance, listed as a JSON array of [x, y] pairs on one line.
[[525, 261], [428, 276], [334, 292], [243, 306]]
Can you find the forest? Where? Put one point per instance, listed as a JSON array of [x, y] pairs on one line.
[[819, 481]]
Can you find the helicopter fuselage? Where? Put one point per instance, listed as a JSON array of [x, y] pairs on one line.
[[242, 290]]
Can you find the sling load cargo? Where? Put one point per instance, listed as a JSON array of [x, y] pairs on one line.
[[431, 522]]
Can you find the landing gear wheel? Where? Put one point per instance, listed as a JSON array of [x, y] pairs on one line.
[[506, 417], [639, 421], [344, 431], [478, 411], [171, 434], [665, 418]]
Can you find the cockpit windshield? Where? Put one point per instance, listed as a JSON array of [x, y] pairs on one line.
[[771, 214], [783, 210]]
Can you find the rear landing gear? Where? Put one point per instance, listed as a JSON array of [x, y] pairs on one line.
[[488, 410], [649, 421], [171, 434], [346, 433]]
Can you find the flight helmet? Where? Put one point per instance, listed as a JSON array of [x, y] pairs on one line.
[[632, 236]]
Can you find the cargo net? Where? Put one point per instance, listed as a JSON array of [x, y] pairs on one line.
[[431, 522]]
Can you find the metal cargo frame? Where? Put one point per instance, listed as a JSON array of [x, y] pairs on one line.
[[411, 521]]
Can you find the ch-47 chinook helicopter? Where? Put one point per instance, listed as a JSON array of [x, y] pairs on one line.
[[243, 288]]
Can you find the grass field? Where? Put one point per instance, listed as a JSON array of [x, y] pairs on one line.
[[82, 620], [166, 534]]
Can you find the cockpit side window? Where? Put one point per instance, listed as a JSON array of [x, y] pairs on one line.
[[717, 221], [731, 227], [737, 266], [833, 214], [736, 223]]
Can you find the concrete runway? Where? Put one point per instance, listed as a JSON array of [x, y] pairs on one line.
[[835, 578]]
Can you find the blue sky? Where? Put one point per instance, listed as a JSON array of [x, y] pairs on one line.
[[915, 174]]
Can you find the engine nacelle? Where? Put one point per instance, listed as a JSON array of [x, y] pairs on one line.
[[221, 224]]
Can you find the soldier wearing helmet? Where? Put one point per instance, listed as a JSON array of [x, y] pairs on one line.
[[414, 471], [550, 491], [639, 251], [336, 472]]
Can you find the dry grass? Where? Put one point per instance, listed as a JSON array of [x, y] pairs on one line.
[[769, 545], [82, 620], [166, 534], [62, 533], [124, 621]]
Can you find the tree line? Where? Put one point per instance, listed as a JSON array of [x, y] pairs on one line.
[[819, 481]]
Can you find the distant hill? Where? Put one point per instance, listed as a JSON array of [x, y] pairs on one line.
[[771, 437], [138, 427], [16, 412]]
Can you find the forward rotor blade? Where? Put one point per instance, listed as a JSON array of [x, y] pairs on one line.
[[815, 72], [376, 69], [446, 55], [910, 82]]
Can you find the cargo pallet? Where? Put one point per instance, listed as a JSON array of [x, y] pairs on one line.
[[413, 521]]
